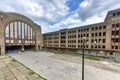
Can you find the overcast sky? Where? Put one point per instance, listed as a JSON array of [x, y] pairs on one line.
[[54, 15]]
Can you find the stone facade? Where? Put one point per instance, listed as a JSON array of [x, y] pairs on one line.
[[6, 18]]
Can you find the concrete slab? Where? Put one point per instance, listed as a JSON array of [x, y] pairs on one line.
[[57, 69]]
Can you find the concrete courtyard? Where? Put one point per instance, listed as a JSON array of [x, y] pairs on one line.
[[66, 67]]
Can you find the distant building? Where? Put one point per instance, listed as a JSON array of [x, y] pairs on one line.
[[102, 39], [17, 32]]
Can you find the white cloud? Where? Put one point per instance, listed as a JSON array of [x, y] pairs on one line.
[[89, 12], [45, 11]]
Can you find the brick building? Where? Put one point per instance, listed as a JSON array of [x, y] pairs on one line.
[[102, 39]]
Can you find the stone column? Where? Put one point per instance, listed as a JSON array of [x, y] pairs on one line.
[[2, 49], [2, 42], [36, 47]]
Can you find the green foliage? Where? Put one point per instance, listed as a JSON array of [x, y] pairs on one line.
[[31, 72], [117, 61], [92, 58], [14, 60]]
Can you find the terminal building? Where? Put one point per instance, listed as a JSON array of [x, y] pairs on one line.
[[17, 32], [101, 39]]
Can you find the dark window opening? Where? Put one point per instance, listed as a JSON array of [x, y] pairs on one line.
[[95, 34], [93, 28], [114, 14], [104, 27], [92, 34], [104, 33], [113, 25], [112, 47], [100, 27], [96, 28], [103, 47], [111, 53], [103, 40], [116, 47], [118, 13], [117, 25], [99, 33]]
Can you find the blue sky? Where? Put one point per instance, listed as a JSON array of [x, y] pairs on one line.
[[73, 4], [54, 15]]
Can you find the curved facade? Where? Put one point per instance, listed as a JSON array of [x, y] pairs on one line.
[[18, 31]]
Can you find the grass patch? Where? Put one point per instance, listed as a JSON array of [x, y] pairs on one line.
[[14, 60], [92, 58], [79, 55], [31, 72], [117, 61]]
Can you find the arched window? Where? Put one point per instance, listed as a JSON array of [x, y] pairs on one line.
[[19, 33]]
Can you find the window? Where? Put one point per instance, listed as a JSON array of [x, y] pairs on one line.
[[118, 13], [26, 29], [100, 27], [87, 35], [74, 41], [7, 32], [114, 14], [84, 35], [111, 53], [81, 46], [87, 29], [99, 33], [95, 34], [78, 30], [93, 28], [104, 27], [92, 34], [117, 25], [112, 47], [95, 46], [99, 46], [95, 40], [92, 40], [86, 46], [113, 25], [117, 32], [81, 41], [103, 40], [116, 40], [103, 47], [92, 46], [116, 47], [63, 33], [19, 29], [84, 30], [104, 33], [81, 30], [81, 35], [96, 28], [99, 40]]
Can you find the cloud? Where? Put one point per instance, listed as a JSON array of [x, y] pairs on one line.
[[89, 12], [53, 15], [90, 8]]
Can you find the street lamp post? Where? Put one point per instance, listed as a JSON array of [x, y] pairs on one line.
[[83, 57]]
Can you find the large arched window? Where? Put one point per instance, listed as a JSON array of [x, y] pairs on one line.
[[19, 33]]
